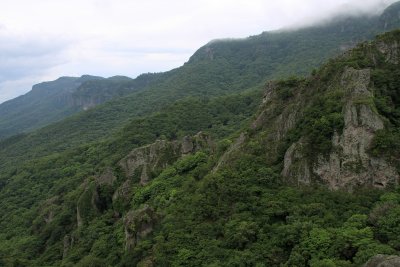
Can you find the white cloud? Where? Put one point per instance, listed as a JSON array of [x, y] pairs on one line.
[[45, 39]]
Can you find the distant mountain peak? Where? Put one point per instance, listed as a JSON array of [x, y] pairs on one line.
[[390, 17]]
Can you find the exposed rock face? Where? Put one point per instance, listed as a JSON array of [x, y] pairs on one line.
[[349, 163], [390, 51], [390, 17], [232, 149], [383, 261], [122, 196], [123, 192], [295, 165], [137, 225], [279, 120], [275, 119], [144, 161], [106, 178], [88, 203], [49, 209], [192, 144], [270, 92]]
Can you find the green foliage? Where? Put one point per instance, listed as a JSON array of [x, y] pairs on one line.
[[49, 101], [190, 162], [239, 215], [322, 117], [91, 261], [387, 101], [218, 68]]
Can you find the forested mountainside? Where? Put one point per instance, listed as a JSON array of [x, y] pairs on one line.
[[220, 67], [53, 101], [46, 103], [291, 178]]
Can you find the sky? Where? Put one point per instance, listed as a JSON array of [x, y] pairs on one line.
[[42, 40]]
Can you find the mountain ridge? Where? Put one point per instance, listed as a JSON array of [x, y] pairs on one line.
[[52, 101], [251, 61], [298, 171], [330, 142], [131, 201]]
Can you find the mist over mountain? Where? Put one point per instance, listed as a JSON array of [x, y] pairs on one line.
[[280, 149], [104, 39], [236, 65]]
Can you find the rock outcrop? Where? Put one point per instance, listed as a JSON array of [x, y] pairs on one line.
[[142, 162], [383, 261], [123, 192], [234, 148], [137, 225], [349, 164], [390, 51], [106, 178], [88, 203], [295, 165]]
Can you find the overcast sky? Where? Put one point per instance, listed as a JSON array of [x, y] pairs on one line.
[[44, 39]]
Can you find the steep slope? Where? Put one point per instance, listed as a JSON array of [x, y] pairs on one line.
[[61, 173], [222, 67], [95, 92], [390, 17], [126, 199], [46, 103], [224, 198], [53, 101], [240, 214], [333, 128]]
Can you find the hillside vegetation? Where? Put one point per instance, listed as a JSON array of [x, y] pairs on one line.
[[208, 165], [101, 204], [218, 68]]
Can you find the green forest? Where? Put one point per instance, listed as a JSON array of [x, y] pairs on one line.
[[245, 156]]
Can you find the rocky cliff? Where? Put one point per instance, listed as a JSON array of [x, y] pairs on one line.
[[183, 202], [138, 168], [348, 164], [145, 161], [321, 130], [46, 103]]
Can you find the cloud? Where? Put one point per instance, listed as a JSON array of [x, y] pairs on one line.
[[46, 39], [25, 59]]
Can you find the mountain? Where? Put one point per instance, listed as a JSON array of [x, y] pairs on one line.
[[390, 17], [338, 127], [200, 168], [96, 92], [53, 101], [46, 103], [293, 181], [220, 67]]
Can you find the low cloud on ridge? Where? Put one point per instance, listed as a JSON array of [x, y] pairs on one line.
[[47, 39]]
